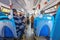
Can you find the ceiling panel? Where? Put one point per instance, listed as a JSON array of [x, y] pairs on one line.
[[5, 2], [18, 4], [21, 2], [35, 2]]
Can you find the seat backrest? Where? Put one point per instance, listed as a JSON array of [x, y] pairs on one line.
[[43, 24], [8, 32], [56, 31], [45, 31]]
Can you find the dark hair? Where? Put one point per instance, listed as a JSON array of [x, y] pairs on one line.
[[14, 10]]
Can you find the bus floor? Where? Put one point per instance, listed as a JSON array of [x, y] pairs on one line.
[[24, 38], [36, 38]]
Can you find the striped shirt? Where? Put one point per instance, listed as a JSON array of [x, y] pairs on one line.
[[20, 25]]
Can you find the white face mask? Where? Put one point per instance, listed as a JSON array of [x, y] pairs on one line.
[[11, 15]]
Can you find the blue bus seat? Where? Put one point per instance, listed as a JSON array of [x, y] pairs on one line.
[[56, 28], [8, 32], [45, 31]]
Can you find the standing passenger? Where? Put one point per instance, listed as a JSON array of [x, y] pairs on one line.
[[32, 21], [22, 24], [16, 19]]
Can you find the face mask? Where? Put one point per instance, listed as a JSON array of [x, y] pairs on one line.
[[20, 15]]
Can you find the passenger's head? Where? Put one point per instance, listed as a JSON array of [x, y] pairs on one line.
[[21, 14], [14, 11]]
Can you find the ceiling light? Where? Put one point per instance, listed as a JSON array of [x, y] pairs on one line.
[[56, 7]]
